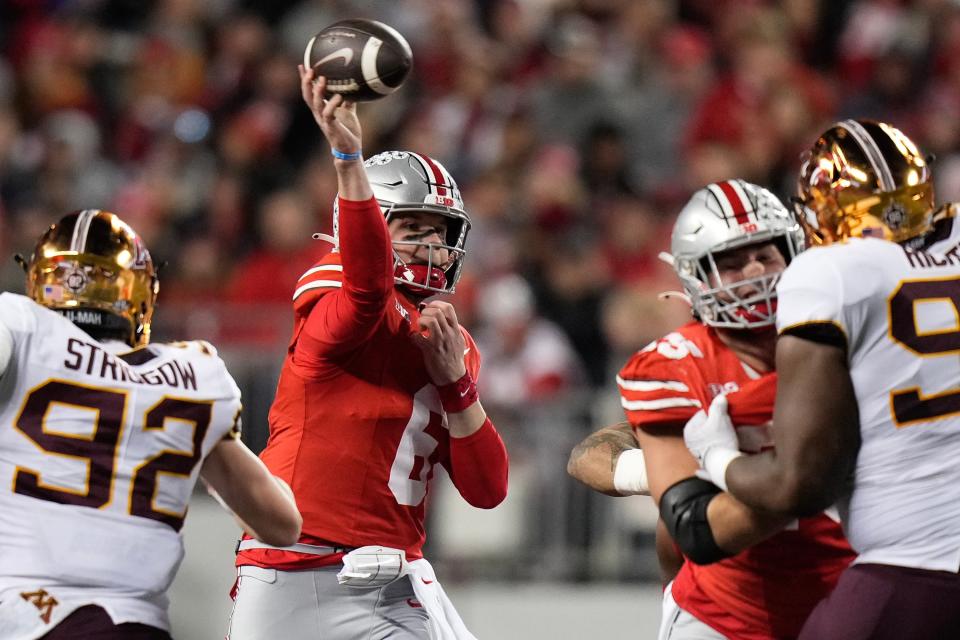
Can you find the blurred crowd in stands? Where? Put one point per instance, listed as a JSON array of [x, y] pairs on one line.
[[576, 129]]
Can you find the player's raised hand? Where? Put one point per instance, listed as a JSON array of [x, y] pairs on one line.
[[441, 341], [337, 118]]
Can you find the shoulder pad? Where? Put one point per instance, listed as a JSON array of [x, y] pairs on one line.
[[196, 346]]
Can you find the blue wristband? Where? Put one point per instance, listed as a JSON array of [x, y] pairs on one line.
[[340, 155]]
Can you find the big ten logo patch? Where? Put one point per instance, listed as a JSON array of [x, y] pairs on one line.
[[43, 601], [716, 388]]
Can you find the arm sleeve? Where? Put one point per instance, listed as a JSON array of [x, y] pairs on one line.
[[346, 317], [479, 467]]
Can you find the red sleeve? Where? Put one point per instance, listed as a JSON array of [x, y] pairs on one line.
[[655, 390], [346, 317], [478, 467]]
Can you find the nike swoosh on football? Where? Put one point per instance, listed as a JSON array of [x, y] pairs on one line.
[[346, 53]]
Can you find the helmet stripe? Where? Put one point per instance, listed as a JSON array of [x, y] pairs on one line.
[[749, 204], [726, 212], [731, 201], [874, 155], [439, 180], [81, 229]]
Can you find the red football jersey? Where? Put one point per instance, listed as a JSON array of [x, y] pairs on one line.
[[767, 591], [356, 426]]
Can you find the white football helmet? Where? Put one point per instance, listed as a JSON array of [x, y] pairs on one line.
[[406, 181], [724, 216]]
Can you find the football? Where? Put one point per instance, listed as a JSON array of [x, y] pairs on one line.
[[362, 59]]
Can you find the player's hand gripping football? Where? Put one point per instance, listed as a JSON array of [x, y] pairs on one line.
[[337, 118], [712, 439], [441, 342]]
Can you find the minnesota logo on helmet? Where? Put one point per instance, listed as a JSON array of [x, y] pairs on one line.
[[865, 179], [94, 269]]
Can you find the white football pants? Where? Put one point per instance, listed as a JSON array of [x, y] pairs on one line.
[[311, 605], [677, 624]]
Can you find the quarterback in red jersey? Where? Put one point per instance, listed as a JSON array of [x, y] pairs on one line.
[[378, 386], [729, 245]]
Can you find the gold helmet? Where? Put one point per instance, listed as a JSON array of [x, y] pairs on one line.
[[864, 179], [94, 269]]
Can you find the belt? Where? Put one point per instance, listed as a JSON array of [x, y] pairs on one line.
[[311, 549]]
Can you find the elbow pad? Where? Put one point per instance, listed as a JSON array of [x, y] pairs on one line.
[[683, 508]]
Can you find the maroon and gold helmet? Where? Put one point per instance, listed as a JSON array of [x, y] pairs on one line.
[[94, 269], [864, 179]]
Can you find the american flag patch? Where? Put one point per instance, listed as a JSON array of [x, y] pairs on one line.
[[53, 292]]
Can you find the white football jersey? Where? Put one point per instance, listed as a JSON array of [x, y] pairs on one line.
[[900, 312], [100, 448]]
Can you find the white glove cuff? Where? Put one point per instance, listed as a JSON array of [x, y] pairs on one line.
[[630, 474], [715, 463]]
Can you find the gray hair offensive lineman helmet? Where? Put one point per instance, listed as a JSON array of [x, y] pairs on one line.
[[724, 216], [406, 181]]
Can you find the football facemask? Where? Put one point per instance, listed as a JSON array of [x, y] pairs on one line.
[[722, 217]]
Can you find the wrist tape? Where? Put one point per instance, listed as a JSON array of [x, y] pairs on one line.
[[630, 474]]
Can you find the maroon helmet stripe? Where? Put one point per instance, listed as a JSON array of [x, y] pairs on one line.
[[437, 175], [735, 202]]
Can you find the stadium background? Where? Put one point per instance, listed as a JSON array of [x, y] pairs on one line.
[[576, 129]]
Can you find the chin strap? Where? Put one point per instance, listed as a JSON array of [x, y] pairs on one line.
[[327, 238], [420, 274], [667, 295]]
